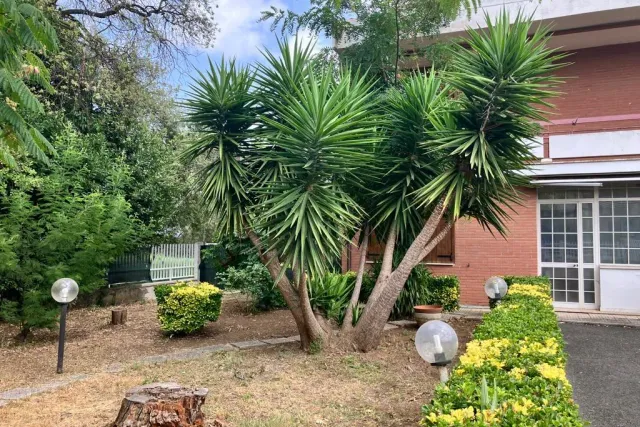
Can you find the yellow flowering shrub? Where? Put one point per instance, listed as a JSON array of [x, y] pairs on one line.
[[186, 308], [481, 351], [519, 348]]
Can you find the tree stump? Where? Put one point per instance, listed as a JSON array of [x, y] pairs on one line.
[[162, 405], [118, 317]]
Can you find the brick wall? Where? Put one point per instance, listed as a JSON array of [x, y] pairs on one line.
[[479, 255], [601, 81]]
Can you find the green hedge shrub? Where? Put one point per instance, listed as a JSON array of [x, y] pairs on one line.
[[518, 350], [163, 291], [186, 307], [254, 280], [422, 288], [527, 280], [524, 280]]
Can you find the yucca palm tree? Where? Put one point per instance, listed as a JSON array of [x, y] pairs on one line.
[[24, 31], [292, 149], [471, 152], [281, 144]]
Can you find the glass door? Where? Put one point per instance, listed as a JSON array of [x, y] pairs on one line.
[[567, 252]]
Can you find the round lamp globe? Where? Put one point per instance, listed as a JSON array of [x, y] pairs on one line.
[[437, 342], [64, 290], [496, 288]]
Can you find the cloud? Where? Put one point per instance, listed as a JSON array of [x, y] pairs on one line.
[[305, 37], [240, 34]]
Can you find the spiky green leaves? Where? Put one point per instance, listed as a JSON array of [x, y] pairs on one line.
[[501, 81], [407, 167], [24, 31], [282, 172], [222, 109], [324, 131]]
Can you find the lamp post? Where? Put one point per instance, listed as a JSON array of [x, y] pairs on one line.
[[437, 343], [63, 291], [496, 288]]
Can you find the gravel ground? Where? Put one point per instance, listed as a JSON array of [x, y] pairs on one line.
[[604, 368]]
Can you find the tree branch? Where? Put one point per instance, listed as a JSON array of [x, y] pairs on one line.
[[355, 296]]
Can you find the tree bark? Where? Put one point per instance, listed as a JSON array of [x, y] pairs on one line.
[[369, 329], [118, 317], [162, 405], [355, 296], [308, 330], [317, 334]]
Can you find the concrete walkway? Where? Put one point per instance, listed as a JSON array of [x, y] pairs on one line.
[[591, 318], [604, 368]]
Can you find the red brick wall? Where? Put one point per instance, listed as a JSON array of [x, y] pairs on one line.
[[601, 81], [479, 255]]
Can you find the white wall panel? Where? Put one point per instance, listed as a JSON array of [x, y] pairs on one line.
[[620, 289], [618, 143]]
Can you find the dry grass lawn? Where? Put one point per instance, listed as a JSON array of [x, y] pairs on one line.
[[277, 386], [92, 343]]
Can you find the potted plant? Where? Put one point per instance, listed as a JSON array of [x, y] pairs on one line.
[[424, 313], [441, 294]]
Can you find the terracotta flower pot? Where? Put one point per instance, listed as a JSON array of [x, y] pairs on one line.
[[424, 313]]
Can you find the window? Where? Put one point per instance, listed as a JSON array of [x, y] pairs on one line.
[[443, 253], [559, 193], [620, 224]]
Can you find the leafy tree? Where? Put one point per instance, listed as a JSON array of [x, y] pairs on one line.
[[286, 145], [163, 30], [25, 33], [58, 224], [118, 98], [382, 36]]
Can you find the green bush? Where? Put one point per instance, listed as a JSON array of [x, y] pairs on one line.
[[519, 351], [162, 291], [421, 288], [527, 280], [444, 291], [331, 293], [188, 307], [254, 280], [524, 280]]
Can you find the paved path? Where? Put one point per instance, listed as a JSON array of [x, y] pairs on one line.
[[604, 368], [593, 318]]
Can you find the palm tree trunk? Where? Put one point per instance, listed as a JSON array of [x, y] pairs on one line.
[[347, 323], [369, 329], [298, 304]]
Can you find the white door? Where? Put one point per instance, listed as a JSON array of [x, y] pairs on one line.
[[567, 251]]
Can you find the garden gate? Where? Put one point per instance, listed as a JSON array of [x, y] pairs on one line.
[[175, 261], [157, 263]]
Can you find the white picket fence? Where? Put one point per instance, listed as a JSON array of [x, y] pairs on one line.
[[175, 261]]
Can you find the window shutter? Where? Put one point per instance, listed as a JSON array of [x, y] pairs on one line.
[[444, 252]]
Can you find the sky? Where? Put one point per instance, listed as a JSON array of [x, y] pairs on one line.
[[239, 35]]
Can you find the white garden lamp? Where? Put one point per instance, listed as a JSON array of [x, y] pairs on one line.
[[63, 291], [496, 288], [437, 343]]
